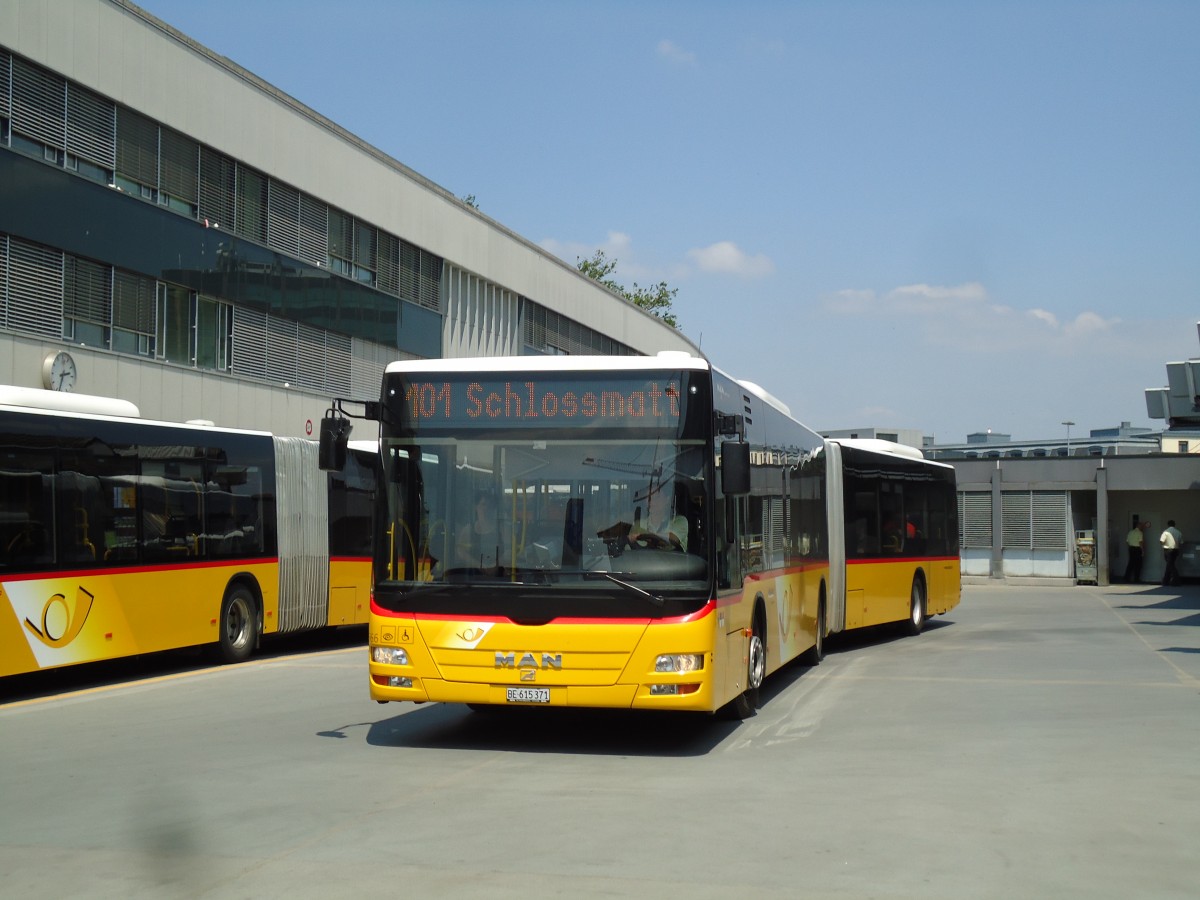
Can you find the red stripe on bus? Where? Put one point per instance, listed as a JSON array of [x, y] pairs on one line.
[[705, 610], [900, 559], [46, 574]]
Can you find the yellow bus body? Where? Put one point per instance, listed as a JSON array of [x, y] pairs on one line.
[[66, 618], [71, 617], [879, 591], [598, 662], [349, 590]]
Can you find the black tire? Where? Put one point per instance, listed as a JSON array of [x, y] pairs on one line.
[[745, 704], [917, 609], [814, 654], [239, 625]]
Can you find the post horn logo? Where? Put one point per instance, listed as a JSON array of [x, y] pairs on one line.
[[62, 621]]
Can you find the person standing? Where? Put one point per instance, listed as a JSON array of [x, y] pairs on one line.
[[1171, 540], [1136, 544]]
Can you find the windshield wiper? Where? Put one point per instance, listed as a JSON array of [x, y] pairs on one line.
[[656, 599]]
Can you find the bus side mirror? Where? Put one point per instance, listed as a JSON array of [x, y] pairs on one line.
[[335, 436], [735, 468]]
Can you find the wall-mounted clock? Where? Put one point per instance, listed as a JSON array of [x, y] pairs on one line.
[[58, 372]]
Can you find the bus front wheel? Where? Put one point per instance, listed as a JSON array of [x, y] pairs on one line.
[[239, 624], [814, 654], [916, 608], [743, 706]]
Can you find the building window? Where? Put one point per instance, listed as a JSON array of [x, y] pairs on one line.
[[137, 155], [133, 314], [341, 242], [180, 172], [1183, 447], [251, 204], [214, 333], [175, 324], [87, 301]]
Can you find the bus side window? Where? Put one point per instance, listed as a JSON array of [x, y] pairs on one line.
[[95, 521], [26, 508], [172, 509]]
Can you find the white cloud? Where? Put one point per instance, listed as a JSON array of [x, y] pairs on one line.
[[965, 317], [721, 258], [673, 53], [1088, 323], [727, 258], [1044, 316]]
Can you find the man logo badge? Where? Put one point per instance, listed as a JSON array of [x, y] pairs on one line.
[[528, 661]]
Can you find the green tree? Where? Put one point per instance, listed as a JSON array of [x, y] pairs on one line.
[[657, 300]]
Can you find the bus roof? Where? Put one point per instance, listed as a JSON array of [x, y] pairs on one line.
[[35, 401], [61, 401], [669, 360], [877, 445]]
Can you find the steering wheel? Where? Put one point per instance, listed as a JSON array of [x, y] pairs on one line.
[[648, 540]]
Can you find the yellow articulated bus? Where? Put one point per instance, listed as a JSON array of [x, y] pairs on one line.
[[121, 536], [627, 532]]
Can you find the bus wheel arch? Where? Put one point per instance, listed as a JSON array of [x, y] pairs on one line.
[[240, 620], [745, 704], [918, 605]]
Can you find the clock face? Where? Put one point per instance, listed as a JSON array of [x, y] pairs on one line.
[[58, 372]]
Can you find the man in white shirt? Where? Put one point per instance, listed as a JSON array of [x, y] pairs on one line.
[[1171, 540]]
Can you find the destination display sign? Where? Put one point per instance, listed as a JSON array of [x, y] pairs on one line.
[[533, 400]]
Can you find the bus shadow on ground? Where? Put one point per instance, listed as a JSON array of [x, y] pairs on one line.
[[597, 732], [129, 670], [608, 732]]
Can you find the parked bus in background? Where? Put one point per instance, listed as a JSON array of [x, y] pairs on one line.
[[121, 536], [627, 532]]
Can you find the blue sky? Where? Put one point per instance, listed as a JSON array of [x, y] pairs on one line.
[[948, 216]]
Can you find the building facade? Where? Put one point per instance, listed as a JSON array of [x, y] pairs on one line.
[[198, 242]]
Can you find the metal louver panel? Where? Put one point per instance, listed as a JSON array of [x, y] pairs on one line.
[[180, 166], [5, 83], [430, 282], [87, 291], [137, 147], [303, 535], [133, 302], [3, 280], [281, 350], [410, 272], [341, 235], [1016, 520], [1049, 520], [283, 218], [387, 275], [367, 362], [249, 342], [91, 127], [35, 289], [216, 188], [310, 356], [975, 516], [337, 363], [39, 103], [251, 209], [314, 231]]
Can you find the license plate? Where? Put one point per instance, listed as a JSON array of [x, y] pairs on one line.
[[528, 695]]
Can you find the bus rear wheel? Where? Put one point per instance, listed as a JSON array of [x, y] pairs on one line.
[[239, 624], [916, 608], [814, 654]]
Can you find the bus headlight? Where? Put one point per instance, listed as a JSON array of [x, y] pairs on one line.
[[679, 662], [390, 656]]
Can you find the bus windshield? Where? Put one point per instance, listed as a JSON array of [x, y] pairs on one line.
[[583, 520]]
